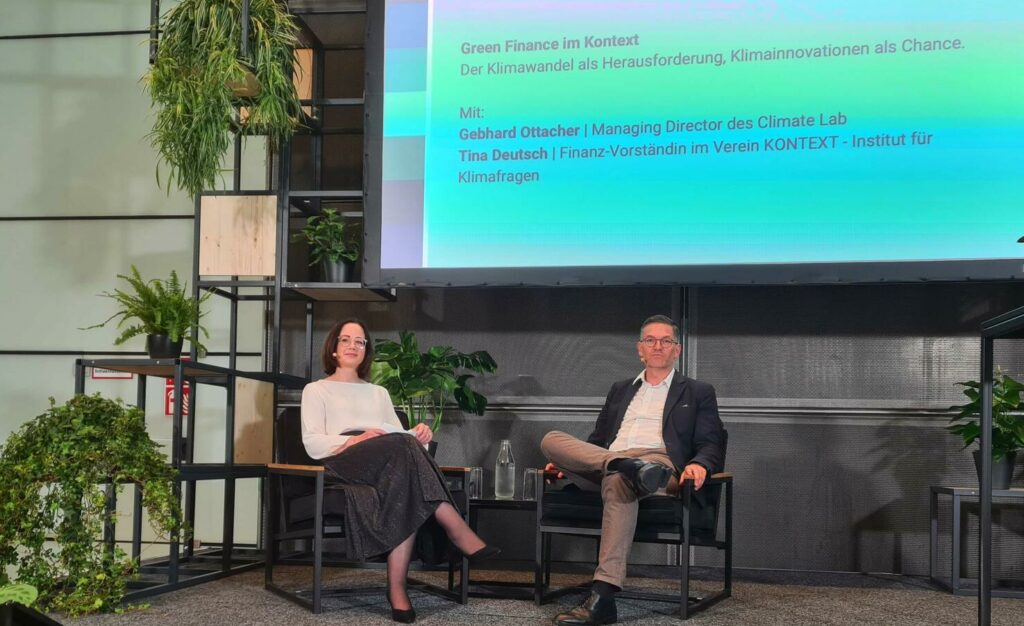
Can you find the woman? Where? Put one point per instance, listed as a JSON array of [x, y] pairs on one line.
[[346, 421]]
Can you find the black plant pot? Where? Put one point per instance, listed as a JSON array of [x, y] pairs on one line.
[[337, 272], [12, 613], [1002, 470], [161, 347]]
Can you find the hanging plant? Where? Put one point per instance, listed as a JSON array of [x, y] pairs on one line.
[[197, 74], [52, 501]]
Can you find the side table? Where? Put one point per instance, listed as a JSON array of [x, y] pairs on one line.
[[502, 590], [958, 495]]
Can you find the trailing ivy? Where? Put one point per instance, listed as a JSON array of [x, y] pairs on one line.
[[52, 500], [198, 60]]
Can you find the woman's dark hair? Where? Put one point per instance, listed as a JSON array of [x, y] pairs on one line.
[[327, 353]]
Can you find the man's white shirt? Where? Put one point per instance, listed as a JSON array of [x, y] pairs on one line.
[[642, 424]]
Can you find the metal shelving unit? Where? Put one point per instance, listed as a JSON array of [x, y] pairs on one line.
[[184, 565]]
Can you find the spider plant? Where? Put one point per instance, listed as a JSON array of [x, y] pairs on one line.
[[191, 81]]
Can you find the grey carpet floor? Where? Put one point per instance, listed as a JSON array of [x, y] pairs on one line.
[[800, 599]]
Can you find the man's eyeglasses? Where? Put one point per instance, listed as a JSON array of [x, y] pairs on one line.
[[358, 342], [667, 342]]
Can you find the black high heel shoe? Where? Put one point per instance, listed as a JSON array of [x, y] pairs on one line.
[[483, 553], [404, 616]]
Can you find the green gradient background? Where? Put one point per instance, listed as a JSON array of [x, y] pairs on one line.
[[957, 198]]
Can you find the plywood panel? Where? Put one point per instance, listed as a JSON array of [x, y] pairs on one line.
[[237, 236], [302, 76], [254, 421]]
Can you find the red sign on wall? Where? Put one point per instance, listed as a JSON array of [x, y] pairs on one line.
[[169, 395]]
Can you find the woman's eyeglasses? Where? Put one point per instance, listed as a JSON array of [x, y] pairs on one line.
[[358, 342]]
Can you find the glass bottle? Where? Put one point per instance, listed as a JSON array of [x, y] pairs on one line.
[[505, 472]]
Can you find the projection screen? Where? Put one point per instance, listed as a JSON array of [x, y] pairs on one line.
[[676, 141]]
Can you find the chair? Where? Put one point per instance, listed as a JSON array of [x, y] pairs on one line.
[[683, 519], [304, 509]]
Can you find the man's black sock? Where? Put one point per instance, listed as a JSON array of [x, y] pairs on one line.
[[613, 465], [605, 590]]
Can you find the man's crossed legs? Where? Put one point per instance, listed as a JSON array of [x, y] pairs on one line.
[[594, 468]]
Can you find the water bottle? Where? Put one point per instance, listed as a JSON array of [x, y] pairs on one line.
[[505, 472]]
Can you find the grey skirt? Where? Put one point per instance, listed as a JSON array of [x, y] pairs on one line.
[[396, 487]]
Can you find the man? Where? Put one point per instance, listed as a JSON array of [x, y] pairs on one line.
[[654, 431]]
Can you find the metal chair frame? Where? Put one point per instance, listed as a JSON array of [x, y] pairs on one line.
[[681, 537]]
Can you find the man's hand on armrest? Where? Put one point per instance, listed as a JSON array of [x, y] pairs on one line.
[[550, 467], [695, 472]]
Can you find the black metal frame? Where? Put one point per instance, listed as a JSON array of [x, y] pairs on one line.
[[312, 599], [486, 588], [958, 495], [1010, 325], [681, 538], [184, 566]]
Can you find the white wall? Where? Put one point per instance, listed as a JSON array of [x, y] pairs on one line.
[[74, 119]]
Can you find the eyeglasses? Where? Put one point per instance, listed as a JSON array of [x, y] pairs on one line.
[[358, 342], [667, 342]]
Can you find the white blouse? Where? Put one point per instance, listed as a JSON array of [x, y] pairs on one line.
[[331, 407]]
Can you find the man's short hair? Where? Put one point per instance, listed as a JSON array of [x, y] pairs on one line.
[[660, 319]]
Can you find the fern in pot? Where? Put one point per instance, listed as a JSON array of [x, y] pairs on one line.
[[333, 244], [163, 310]]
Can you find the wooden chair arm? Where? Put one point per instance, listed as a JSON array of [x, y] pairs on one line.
[[284, 467]]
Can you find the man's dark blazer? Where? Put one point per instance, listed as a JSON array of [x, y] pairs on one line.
[[691, 428]]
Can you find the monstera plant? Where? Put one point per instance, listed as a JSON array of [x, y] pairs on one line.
[[421, 383]]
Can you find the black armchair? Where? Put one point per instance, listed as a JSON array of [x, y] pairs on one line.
[[305, 510], [684, 519]]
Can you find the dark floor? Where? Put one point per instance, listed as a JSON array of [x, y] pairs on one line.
[[761, 598]]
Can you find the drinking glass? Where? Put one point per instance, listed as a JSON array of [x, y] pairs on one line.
[[533, 482], [475, 488]]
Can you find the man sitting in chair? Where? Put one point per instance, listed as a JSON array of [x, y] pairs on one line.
[[654, 431]]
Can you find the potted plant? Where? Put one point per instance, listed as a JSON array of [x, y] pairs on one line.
[[421, 383], [199, 78], [163, 310], [1007, 425], [55, 470], [333, 243]]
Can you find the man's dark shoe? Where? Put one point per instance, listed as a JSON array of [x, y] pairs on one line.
[[646, 477], [594, 610]]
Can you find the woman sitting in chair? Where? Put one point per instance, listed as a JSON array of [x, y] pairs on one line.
[[351, 425]]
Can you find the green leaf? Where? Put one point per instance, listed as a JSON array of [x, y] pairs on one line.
[[161, 307], [1007, 422], [52, 500], [424, 382]]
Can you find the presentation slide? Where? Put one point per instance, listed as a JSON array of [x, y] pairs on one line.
[[527, 133]]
